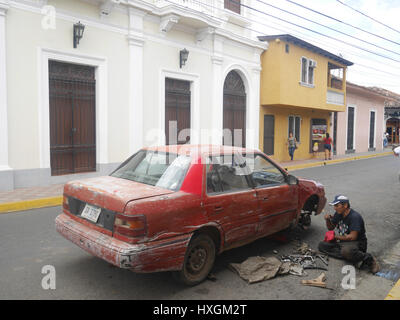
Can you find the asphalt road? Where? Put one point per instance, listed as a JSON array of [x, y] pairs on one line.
[[28, 242]]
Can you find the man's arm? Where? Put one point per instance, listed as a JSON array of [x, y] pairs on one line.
[[353, 235], [329, 224]]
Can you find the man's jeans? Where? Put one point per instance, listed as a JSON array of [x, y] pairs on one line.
[[352, 251]]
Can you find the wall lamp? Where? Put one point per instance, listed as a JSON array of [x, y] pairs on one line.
[[183, 56], [78, 33]]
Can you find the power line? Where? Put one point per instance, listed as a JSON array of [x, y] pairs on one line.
[[304, 36], [322, 25], [308, 29], [368, 16], [262, 33], [340, 21]]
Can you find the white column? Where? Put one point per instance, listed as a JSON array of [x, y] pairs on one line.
[[136, 42], [7, 182], [217, 93], [253, 124]]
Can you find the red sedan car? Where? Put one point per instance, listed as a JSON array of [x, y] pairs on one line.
[[174, 208]]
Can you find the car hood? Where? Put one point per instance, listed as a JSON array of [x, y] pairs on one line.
[[111, 193]]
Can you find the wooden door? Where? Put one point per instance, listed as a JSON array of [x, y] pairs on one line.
[[335, 117], [350, 129], [269, 131], [372, 131], [72, 118], [177, 111], [234, 117]]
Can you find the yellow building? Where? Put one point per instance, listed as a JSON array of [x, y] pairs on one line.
[[301, 85]]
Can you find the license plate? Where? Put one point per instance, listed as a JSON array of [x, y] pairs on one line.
[[91, 213]]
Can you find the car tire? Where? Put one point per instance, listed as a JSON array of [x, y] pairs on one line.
[[198, 262]]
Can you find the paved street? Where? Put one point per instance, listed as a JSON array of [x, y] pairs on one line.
[[28, 241]]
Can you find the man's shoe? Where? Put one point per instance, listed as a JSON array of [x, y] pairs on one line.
[[374, 267]]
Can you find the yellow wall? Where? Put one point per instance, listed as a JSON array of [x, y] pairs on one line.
[[282, 95], [281, 115], [281, 75]]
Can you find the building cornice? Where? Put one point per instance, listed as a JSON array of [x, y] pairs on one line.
[[4, 6], [148, 10]]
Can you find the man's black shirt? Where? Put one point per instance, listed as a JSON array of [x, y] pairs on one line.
[[352, 222]]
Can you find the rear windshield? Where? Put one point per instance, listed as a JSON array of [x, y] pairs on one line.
[[164, 170]]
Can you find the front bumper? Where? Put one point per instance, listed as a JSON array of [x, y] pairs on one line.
[[152, 256]]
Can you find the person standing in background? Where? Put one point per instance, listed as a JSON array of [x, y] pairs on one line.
[[396, 152], [385, 139], [328, 147], [291, 143]]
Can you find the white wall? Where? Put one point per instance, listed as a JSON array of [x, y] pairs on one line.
[[132, 57]]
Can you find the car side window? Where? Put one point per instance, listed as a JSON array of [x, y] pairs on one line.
[[264, 172], [224, 175]]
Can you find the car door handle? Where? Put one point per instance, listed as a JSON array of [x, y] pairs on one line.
[[265, 199], [218, 209]]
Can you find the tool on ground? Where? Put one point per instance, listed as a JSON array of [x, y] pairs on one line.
[[317, 282]]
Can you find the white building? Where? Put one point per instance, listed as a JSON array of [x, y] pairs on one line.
[[68, 113]]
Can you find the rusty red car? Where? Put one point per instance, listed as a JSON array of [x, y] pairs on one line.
[[175, 208]]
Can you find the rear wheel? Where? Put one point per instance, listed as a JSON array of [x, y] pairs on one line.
[[199, 260]]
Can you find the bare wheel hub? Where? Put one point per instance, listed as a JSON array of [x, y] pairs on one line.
[[197, 259]]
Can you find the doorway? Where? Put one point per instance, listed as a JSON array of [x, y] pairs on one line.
[[177, 111], [72, 93]]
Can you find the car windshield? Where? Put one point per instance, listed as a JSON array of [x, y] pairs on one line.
[[164, 170]]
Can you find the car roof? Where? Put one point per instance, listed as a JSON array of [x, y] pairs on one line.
[[199, 149]]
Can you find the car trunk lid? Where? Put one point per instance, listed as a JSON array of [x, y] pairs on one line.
[[111, 193]]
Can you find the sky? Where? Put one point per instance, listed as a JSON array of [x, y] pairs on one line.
[[376, 54]]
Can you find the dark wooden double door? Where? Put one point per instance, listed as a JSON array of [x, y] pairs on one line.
[[72, 118]]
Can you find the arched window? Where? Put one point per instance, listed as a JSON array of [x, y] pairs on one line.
[[234, 110]]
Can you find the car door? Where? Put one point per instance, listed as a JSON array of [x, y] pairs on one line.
[[230, 199], [278, 201]]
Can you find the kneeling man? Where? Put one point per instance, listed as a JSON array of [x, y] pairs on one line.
[[350, 242]]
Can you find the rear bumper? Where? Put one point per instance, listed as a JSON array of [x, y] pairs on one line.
[[162, 255]]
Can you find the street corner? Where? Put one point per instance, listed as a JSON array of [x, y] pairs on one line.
[[394, 293]]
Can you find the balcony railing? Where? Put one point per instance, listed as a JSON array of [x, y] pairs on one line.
[[204, 6], [335, 97]]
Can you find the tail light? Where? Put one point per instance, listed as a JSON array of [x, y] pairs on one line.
[[130, 226], [65, 203]]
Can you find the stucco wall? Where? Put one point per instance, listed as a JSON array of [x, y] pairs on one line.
[[112, 44], [281, 76], [23, 70], [363, 103], [282, 127]]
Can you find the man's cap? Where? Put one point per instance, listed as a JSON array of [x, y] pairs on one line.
[[339, 199]]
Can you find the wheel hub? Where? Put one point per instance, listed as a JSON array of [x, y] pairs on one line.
[[197, 259]]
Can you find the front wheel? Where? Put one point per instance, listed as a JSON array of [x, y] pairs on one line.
[[199, 260]]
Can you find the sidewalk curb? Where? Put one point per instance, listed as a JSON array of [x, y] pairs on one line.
[[329, 162], [394, 294], [30, 204]]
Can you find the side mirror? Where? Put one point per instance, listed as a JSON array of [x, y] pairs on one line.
[[292, 180]]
